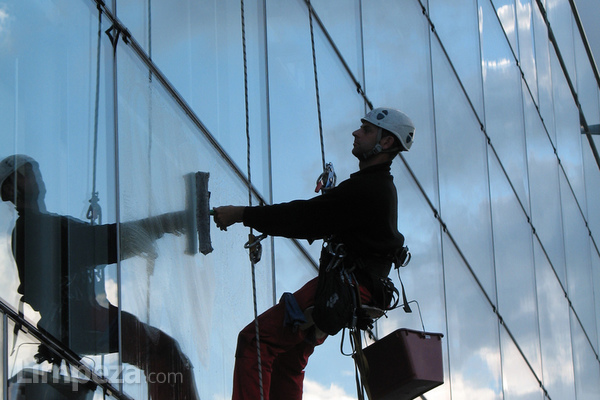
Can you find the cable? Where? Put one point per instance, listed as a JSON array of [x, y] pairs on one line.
[[94, 211], [314, 60], [248, 159]]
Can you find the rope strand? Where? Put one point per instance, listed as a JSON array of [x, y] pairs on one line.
[[94, 211], [314, 59], [248, 159]]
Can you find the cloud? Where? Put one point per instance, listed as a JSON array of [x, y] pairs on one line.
[[4, 24], [316, 391], [3, 18]]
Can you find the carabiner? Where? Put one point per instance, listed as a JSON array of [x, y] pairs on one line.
[[253, 244], [327, 179]]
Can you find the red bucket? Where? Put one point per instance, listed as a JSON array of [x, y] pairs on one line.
[[404, 364]]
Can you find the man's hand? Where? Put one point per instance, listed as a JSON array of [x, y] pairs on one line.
[[228, 215]]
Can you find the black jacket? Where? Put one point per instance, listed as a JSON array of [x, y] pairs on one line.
[[361, 212]]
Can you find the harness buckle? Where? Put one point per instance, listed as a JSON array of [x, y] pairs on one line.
[[402, 257], [338, 253]]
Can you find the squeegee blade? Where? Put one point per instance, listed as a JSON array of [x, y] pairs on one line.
[[203, 212], [191, 207]]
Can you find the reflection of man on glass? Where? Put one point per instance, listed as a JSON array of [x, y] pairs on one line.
[[56, 256]]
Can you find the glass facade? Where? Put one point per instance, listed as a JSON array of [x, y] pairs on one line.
[[107, 106]]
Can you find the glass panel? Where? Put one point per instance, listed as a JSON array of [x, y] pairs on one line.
[[58, 114], [462, 44], [291, 82], [462, 168], [158, 146], [473, 340], [198, 46], [587, 86], [388, 74], [515, 275], [587, 369], [518, 381], [502, 93], [546, 214], [596, 279], [592, 187], [568, 133], [544, 73], [557, 354], [137, 17], [577, 250], [293, 270], [342, 21], [505, 10], [588, 96], [561, 21], [341, 110], [527, 56]]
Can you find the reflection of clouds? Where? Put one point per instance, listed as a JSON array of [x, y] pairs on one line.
[[524, 15], [578, 261], [501, 63], [515, 278], [502, 93], [468, 389], [8, 269], [506, 14], [4, 18], [517, 377], [112, 291], [315, 391], [554, 323]]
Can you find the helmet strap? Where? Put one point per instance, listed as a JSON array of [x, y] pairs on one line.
[[377, 148]]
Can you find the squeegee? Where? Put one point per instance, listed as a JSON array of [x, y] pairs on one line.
[[198, 209]]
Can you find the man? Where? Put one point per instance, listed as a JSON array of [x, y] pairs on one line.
[[360, 214], [56, 258]]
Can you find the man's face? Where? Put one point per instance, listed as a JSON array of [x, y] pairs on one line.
[[365, 138], [22, 187]]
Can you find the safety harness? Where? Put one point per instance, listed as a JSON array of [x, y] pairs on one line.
[[361, 317]]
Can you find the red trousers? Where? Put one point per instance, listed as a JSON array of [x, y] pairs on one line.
[[284, 353]]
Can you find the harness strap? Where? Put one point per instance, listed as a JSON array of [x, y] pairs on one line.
[[405, 305]]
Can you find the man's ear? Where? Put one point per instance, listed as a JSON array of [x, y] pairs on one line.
[[387, 142]]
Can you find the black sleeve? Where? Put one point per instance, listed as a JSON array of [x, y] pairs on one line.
[[89, 245], [315, 218]]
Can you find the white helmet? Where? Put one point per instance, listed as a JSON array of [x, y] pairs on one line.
[[395, 122], [10, 164]]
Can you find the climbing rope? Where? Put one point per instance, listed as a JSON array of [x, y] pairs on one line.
[[253, 243], [328, 178], [314, 60], [94, 211]]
